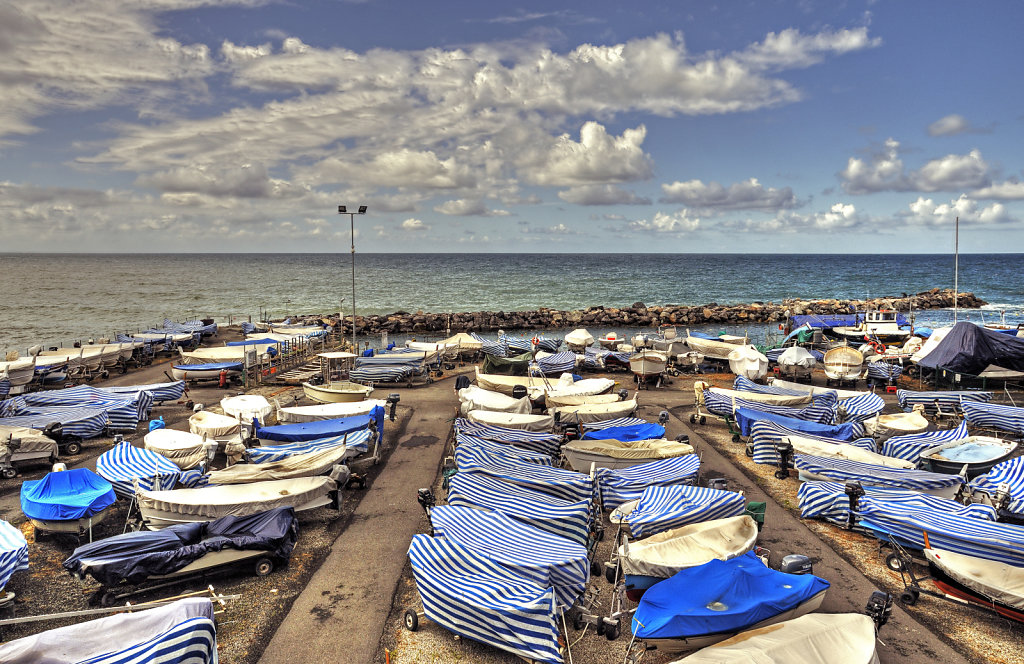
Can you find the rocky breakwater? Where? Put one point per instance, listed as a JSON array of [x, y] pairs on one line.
[[641, 315]]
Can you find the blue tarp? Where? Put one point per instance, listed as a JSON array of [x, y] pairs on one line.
[[970, 349], [303, 431], [213, 366], [66, 495], [745, 418], [832, 320], [720, 597], [252, 342], [635, 432]]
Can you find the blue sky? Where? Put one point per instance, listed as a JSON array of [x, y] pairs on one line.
[[834, 127]]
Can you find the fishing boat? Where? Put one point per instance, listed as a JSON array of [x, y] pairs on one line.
[[611, 341], [648, 365], [331, 387], [881, 325], [974, 454], [843, 364]]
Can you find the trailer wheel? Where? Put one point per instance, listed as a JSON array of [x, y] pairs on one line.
[[735, 438], [264, 566], [612, 631], [910, 596], [412, 620], [749, 450], [595, 568], [108, 599], [703, 420], [73, 447], [9, 473], [893, 562], [693, 418], [610, 572], [576, 617]]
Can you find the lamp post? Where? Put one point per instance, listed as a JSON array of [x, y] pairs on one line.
[[352, 228]]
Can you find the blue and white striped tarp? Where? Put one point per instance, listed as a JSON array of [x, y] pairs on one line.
[[124, 411], [618, 485], [860, 408], [886, 371], [539, 441], [13, 552], [125, 464], [828, 500], [476, 443], [392, 373], [1009, 473], [556, 364], [554, 515], [1001, 542], [746, 418], [474, 597], [5, 386], [193, 641], [357, 440], [490, 347], [525, 344], [609, 424], [764, 435], [161, 391], [545, 559], [996, 417], [744, 384], [567, 485], [910, 446], [661, 508], [86, 422], [947, 400], [844, 470], [191, 326], [822, 409]]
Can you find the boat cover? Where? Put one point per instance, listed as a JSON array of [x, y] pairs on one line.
[[161, 391], [81, 421], [840, 450], [666, 553], [462, 341], [720, 596], [213, 425], [135, 556], [861, 407], [524, 344], [579, 337], [548, 560], [515, 365], [896, 424], [883, 371], [542, 510], [303, 431], [356, 442], [525, 421], [847, 638], [5, 386], [186, 450], [469, 594], [619, 485], [66, 495], [587, 427], [554, 363], [247, 406], [124, 411], [996, 581], [30, 441], [477, 398], [764, 435], [797, 356], [746, 417], [748, 361], [829, 501], [639, 431], [180, 632], [932, 401], [910, 446], [651, 450], [219, 355], [970, 349], [995, 416], [845, 470], [327, 411], [661, 508], [553, 400], [545, 442], [779, 386], [558, 482], [770, 399], [13, 552], [308, 464], [594, 412], [477, 445], [125, 465], [212, 502], [1002, 542], [1009, 473], [822, 409]]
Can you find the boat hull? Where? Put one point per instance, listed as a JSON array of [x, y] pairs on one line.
[[337, 392]]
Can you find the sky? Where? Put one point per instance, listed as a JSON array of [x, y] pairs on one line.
[[600, 126]]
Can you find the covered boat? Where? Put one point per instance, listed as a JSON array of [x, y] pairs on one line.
[[67, 501], [477, 398], [23, 445], [582, 454], [796, 362], [326, 411], [245, 407], [126, 466], [611, 341], [972, 349], [307, 464], [973, 455], [995, 417], [712, 347], [748, 362], [661, 508], [841, 450], [578, 340], [303, 431], [710, 603], [214, 426], [620, 485], [164, 508], [524, 421], [186, 450], [13, 554], [882, 427], [987, 582], [870, 474], [830, 501], [594, 412], [746, 417], [206, 370]]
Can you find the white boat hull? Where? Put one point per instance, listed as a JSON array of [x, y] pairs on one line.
[[343, 392]]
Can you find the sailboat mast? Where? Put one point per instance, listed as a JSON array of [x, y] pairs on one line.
[[956, 267]]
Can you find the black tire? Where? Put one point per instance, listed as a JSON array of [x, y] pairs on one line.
[[610, 572], [909, 597], [611, 632], [263, 567], [703, 420], [73, 447], [693, 419], [893, 562], [8, 473], [735, 438], [595, 568], [411, 620], [600, 627], [108, 599], [749, 450], [576, 619]]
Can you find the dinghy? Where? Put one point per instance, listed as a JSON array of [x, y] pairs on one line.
[[611, 341], [992, 584], [578, 340], [648, 365], [883, 427], [67, 501], [214, 426], [523, 421], [974, 454], [245, 407], [477, 398], [326, 411], [186, 450], [594, 412], [582, 454], [843, 364]]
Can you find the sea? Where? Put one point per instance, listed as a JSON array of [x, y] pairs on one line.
[[58, 299]]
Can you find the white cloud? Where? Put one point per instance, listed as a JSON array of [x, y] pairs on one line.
[[838, 217], [790, 49], [466, 207], [951, 125], [927, 212], [677, 222], [954, 171], [886, 173], [1011, 190], [414, 225], [607, 194], [748, 195], [598, 158], [246, 181]]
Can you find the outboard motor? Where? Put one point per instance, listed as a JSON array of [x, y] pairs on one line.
[[663, 418], [796, 563], [425, 497], [785, 450], [854, 491], [572, 433], [623, 394], [683, 438], [393, 400], [719, 484], [54, 431], [461, 383], [518, 391], [879, 608]]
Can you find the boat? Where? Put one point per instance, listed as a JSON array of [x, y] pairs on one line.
[[992, 584], [748, 362], [13, 557], [18, 370], [24, 445], [881, 325], [611, 341], [245, 407], [712, 348], [164, 508], [582, 454], [326, 411], [67, 501], [214, 426], [477, 398], [206, 371], [557, 400], [538, 386], [186, 450], [842, 450], [843, 364], [307, 464], [973, 455], [578, 340], [332, 386], [524, 421], [797, 363], [594, 412], [648, 365], [883, 427], [306, 431], [127, 467]]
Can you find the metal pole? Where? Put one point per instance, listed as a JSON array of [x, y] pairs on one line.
[[956, 268], [352, 229]]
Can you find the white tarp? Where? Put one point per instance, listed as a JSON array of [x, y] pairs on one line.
[[813, 447], [247, 406], [186, 450], [579, 337], [595, 412], [477, 398], [746, 361], [512, 420], [552, 400], [769, 399], [839, 638], [998, 581], [298, 465], [213, 425], [219, 354], [797, 356], [326, 411], [896, 424], [815, 391], [31, 440], [652, 450], [666, 553], [463, 342], [213, 502]]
